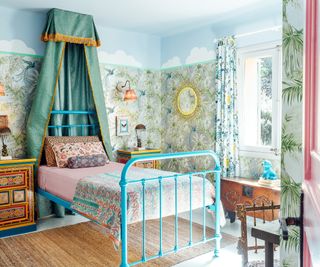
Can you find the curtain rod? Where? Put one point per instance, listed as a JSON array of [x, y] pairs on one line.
[[275, 28]]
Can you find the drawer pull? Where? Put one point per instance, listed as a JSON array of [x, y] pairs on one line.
[[247, 191]]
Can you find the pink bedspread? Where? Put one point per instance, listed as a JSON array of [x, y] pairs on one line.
[[98, 197], [95, 193], [62, 182]]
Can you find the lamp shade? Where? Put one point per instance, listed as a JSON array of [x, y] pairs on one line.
[[4, 122], [5, 131], [140, 127], [2, 91], [130, 95]]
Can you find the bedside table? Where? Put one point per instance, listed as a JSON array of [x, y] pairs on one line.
[[17, 196], [126, 154]]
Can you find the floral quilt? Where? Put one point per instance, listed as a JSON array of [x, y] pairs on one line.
[[98, 197]]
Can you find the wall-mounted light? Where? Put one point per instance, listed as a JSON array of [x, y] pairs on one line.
[[4, 98], [2, 90], [129, 93]]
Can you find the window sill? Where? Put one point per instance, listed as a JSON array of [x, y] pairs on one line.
[[259, 154]]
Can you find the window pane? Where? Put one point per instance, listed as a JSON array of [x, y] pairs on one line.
[[249, 106], [266, 101], [256, 129]]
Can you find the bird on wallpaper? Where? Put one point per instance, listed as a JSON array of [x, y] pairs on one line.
[[142, 92], [29, 74], [110, 72], [111, 110], [168, 76], [141, 99]]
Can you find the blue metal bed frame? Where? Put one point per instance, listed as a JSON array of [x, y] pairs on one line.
[[124, 183]]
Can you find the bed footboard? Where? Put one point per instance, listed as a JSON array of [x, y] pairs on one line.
[[124, 182]]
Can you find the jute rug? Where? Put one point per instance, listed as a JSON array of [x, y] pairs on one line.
[[85, 244]]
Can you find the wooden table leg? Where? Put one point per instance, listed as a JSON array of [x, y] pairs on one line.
[[232, 216], [268, 254]]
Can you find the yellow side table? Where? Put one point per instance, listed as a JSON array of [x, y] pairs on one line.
[[126, 154]]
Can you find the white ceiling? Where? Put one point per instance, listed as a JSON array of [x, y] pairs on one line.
[[161, 17]]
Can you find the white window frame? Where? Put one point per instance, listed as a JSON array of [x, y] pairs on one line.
[[273, 49]]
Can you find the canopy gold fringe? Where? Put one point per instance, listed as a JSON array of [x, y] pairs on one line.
[[58, 37]]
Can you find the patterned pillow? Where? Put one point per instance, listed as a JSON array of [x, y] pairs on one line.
[[51, 140], [64, 151], [87, 161]]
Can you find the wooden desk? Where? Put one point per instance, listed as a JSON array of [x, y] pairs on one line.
[[247, 191], [268, 232]]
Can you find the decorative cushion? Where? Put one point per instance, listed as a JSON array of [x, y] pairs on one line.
[[51, 140], [87, 161], [64, 151]]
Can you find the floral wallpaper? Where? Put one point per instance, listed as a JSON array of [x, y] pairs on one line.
[[146, 110], [18, 75], [155, 108], [196, 133], [252, 167], [292, 121]]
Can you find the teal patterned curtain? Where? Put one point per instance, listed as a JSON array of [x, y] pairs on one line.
[[227, 137]]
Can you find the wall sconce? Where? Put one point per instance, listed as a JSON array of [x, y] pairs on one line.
[[3, 97], [2, 90], [129, 93], [140, 130]]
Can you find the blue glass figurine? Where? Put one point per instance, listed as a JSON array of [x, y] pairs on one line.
[[268, 172]]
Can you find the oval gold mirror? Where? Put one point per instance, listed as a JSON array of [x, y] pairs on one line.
[[187, 101]]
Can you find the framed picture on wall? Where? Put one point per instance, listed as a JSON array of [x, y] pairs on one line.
[[122, 125]]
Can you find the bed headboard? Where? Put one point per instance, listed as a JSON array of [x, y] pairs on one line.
[[91, 126]]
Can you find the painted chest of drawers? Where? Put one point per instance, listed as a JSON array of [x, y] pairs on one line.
[[17, 196], [125, 155]]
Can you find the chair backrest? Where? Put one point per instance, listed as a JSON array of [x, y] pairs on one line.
[[243, 211]]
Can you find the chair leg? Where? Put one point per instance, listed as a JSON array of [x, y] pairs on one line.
[[268, 254], [243, 242]]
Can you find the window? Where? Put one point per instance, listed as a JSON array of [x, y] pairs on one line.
[[259, 100]]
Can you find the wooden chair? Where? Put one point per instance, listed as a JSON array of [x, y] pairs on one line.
[[255, 211]]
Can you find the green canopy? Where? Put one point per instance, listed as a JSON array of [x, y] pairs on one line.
[[70, 64], [69, 80], [67, 26]]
